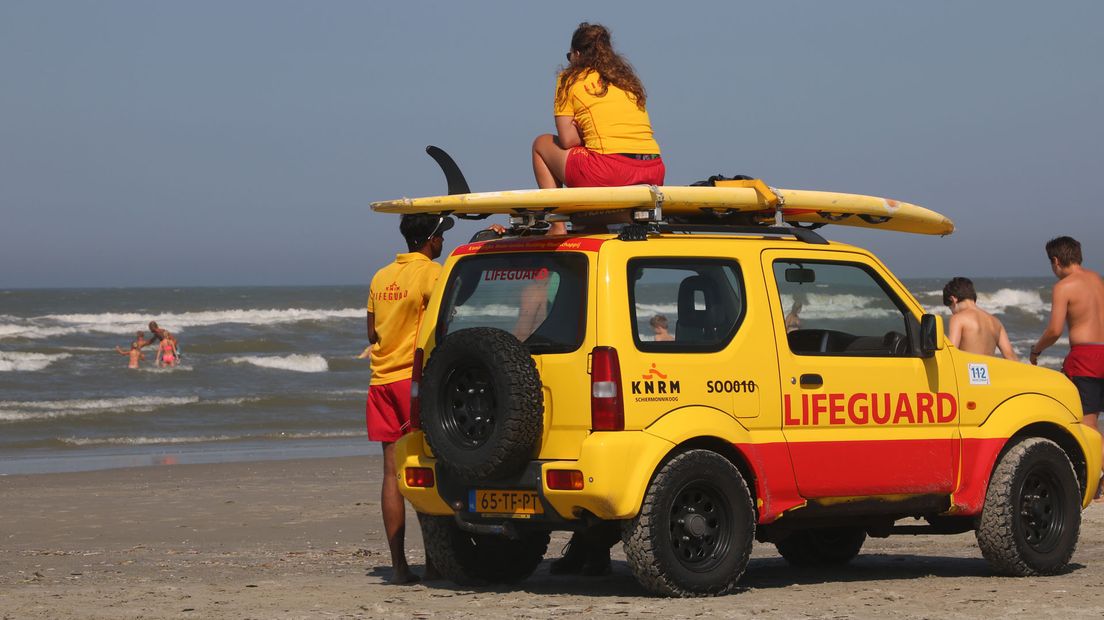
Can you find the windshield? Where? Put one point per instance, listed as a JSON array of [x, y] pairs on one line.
[[538, 297]]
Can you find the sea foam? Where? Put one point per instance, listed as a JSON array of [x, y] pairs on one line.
[[18, 361], [145, 440], [15, 411], [1000, 302], [297, 363], [53, 325]]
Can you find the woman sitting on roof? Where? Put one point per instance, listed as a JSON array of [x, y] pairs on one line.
[[603, 134]]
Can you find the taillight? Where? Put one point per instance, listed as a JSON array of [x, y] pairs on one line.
[[415, 391], [564, 479], [419, 477], [607, 408]]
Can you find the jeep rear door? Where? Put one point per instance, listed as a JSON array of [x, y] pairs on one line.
[[863, 414], [543, 298]]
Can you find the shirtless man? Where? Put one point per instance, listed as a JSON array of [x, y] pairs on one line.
[[972, 329], [160, 334], [1078, 300]]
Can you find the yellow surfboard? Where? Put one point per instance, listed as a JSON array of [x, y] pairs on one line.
[[749, 199]]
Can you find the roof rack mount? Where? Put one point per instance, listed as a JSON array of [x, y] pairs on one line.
[[801, 234]]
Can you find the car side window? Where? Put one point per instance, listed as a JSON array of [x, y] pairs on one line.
[[840, 309], [685, 304]]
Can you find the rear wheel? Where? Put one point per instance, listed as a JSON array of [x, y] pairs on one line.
[[695, 529], [1032, 514], [476, 559], [827, 546]]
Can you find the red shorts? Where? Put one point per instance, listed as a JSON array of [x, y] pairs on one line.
[[388, 411], [1085, 360], [586, 168]]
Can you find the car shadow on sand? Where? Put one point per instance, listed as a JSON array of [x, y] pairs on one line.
[[762, 573]]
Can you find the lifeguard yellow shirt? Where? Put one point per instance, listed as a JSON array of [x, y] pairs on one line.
[[610, 123], [397, 296]]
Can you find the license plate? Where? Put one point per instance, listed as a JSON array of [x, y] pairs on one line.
[[498, 501]]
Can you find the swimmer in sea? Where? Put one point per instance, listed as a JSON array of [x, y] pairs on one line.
[[135, 353], [160, 335], [166, 351]]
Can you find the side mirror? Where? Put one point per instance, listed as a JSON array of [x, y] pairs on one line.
[[800, 275], [931, 334]]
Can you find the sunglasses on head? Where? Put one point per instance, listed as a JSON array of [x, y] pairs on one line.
[[437, 228]]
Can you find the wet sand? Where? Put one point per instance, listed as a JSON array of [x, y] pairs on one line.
[[303, 539]]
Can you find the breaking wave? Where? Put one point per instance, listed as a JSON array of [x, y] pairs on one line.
[[296, 363], [16, 411], [18, 361], [53, 325], [147, 441]]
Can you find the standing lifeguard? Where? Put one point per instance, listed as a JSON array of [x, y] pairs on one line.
[[603, 133]]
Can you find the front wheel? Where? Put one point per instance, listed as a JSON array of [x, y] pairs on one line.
[[478, 559], [1032, 513], [695, 529]]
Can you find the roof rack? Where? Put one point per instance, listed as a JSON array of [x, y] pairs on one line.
[[801, 234]]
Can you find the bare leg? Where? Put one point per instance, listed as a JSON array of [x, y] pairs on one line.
[[549, 161], [394, 517]]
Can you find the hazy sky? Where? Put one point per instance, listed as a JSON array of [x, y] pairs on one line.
[[191, 143]]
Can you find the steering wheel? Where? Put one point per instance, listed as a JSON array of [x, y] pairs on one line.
[[895, 343]]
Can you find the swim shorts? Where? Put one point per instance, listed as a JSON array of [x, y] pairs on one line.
[[587, 168], [388, 411], [1092, 393], [1085, 367]]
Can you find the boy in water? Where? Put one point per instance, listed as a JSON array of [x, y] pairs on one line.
[[1078, 300], [972, 329], [659, 327], [135, 352]]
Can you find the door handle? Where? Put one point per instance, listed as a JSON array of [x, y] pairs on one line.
[[811, 381]]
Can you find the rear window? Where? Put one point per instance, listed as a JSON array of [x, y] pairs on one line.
[[540, 298]]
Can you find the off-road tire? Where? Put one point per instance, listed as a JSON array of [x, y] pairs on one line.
[[695, 529], [482, 408], [480, 559], [828, 546], [1032, 514]]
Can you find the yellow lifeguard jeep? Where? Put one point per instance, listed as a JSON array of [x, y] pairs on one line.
[[799, 395]]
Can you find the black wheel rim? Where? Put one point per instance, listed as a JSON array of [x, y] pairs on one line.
[[701, 527], [1041, 510], [469, 405]]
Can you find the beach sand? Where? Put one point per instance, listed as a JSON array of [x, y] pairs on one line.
[[303, 539]]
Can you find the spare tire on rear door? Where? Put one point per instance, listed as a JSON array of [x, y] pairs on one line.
[[481, 403]]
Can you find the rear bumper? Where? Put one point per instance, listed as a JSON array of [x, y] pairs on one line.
[[616, 468]]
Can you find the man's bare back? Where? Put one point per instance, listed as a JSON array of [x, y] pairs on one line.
[[976, 331], [1077, 301], [1082, 294], [972, 329]]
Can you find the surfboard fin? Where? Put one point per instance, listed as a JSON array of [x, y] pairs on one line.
[[456, 182]]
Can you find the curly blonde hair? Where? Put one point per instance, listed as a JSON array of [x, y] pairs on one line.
[[595, 53]]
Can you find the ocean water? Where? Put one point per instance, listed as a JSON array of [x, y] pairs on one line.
[[266, 373]]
